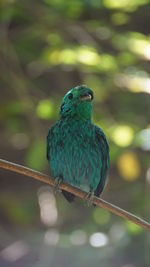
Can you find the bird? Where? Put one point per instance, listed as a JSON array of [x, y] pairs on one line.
[[77, 150]]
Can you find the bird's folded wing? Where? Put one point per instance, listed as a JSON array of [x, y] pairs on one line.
[[48, 143], [104, 148]]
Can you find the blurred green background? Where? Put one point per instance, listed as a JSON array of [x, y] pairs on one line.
[[46, 48]]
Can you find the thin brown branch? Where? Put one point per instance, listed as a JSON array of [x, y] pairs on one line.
[[77, 192]]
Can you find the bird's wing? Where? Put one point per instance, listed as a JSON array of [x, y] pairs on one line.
[[104, 148], [48, 142]]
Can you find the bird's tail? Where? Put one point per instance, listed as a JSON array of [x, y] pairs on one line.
[[69, 196]]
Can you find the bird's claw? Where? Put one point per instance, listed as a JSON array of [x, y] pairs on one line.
[[57, 183], [89, 198]]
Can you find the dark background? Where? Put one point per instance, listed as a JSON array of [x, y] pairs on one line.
[[46, 48]]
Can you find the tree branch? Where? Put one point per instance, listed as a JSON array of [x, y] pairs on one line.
[[77, 192]]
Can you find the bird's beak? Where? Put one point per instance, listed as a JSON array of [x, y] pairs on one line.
[[87, 97]]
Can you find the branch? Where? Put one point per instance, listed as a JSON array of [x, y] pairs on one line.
[[77, 192]]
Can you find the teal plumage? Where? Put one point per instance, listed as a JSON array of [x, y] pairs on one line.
[[77, 150]]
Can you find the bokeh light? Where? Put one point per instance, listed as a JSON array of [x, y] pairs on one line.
[[148, 175], [129, 166], [45, 109], [78, 237], [48, 209], [14, 251], [117, 232], [98, 240], [51, 237], [20, 141], [35, 157], [123, 135], [143, 139], [101, 216], [133, 228]]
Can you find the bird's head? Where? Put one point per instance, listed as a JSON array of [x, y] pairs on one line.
[[77, 103]]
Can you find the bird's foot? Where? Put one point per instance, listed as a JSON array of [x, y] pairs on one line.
[[89, 198], [57, 183]]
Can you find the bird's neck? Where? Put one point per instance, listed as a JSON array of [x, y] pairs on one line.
[[81, 114], [84, 111], [75, 121]]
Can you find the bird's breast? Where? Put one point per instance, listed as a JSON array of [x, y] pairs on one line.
[[76, 154]]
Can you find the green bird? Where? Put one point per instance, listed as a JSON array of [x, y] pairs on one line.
[[77, 150]]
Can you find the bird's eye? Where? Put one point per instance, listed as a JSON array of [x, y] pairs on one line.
[[70, 96]]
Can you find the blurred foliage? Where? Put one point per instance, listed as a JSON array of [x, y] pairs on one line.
[[47, 47]]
